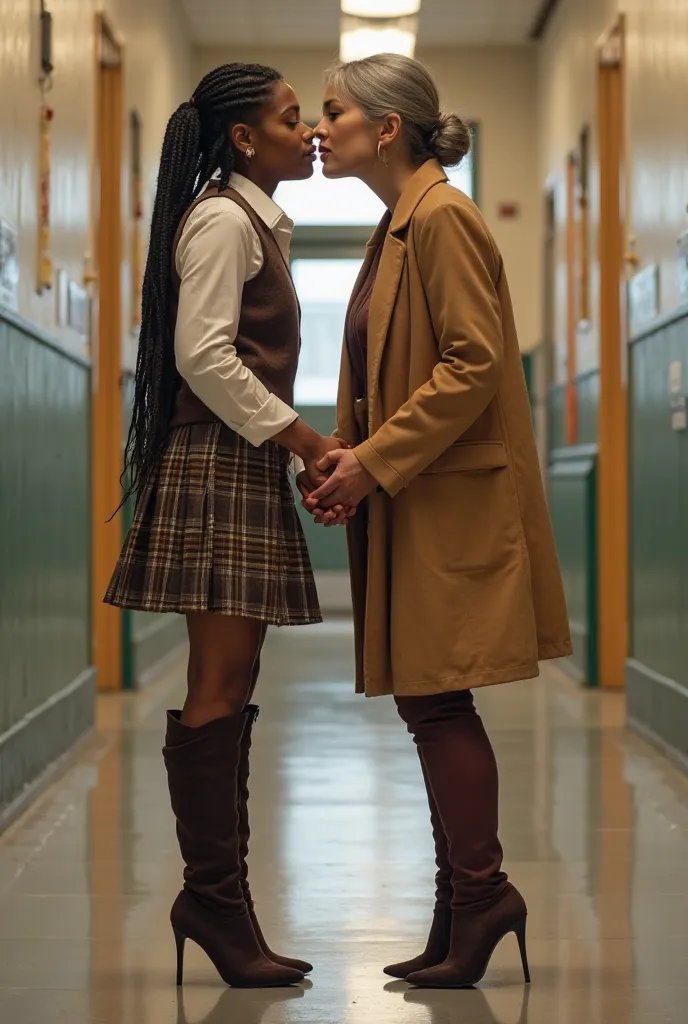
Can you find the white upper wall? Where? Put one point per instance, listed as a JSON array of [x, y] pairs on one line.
[[157, 76]]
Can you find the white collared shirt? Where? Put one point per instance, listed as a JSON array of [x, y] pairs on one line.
[[218, 252]]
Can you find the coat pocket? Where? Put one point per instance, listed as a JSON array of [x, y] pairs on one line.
[[462, 511], [464, 456]]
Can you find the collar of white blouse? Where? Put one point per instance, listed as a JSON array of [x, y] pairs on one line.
[[266, 208]]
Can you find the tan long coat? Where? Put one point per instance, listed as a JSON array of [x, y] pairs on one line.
[[454, 571]]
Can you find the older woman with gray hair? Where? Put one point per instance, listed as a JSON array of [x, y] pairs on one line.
[[455, 578]]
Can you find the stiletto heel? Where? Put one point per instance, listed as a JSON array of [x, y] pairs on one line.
[[520, 933], [202, 770], [476, 933], [180, 940]]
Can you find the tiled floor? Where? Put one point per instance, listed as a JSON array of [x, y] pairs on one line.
[[595, 826]]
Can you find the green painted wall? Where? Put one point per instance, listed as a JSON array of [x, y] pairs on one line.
[[556, 430], [45, 634], [572, 499], [658, 673], [588, 403], [573, 507]]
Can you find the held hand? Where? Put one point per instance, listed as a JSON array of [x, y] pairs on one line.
[[349, 484], [306, 488], [313, 477], [335, 516], [322, 447]]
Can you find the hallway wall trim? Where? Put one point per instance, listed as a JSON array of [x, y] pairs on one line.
[[33, 749], [34, 332], [657, 709], [660, 324], [587, 389]]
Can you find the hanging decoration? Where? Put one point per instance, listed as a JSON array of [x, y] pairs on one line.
[[45, 264], [583, 272]]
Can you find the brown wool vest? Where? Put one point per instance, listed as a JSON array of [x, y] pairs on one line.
[[268, 339]]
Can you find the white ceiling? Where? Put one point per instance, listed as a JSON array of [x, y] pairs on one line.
[[303, 23]]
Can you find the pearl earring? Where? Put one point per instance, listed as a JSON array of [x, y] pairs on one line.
[[250, 153]]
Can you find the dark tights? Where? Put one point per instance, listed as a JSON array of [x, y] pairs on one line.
[[461, 769]]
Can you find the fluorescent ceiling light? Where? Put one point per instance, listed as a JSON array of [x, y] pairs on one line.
[[357, 43], [380, 8]]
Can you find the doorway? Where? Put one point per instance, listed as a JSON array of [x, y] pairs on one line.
[[613, 585], [106, 401]]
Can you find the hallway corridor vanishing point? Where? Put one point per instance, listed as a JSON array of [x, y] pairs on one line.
[[594, 823]]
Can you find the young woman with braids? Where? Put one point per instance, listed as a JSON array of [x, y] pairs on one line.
[[215, 535]]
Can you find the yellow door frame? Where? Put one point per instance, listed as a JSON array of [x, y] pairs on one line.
[[613, 554], [106, 408], [571, 399]]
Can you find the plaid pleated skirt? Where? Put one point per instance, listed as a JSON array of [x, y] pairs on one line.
[[217, 530]]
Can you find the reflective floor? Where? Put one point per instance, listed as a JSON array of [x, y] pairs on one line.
[[595, 826]]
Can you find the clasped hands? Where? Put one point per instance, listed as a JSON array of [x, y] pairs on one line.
[[333, 483]]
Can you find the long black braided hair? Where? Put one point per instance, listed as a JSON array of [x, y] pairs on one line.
[[197, 143]]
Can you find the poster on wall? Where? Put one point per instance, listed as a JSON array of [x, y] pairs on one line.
[[9, 265], [643, 298], [78, 309]]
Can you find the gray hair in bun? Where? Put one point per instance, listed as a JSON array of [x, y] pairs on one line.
[[390, 83], [451, 140]]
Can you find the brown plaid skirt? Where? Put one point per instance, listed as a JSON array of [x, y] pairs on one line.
[[217, 530]]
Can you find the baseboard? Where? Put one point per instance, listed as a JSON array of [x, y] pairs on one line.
[[574, 666], [580, 637], [33, 749], [334, 592], [657, 708], [569, 668], [153, 645]]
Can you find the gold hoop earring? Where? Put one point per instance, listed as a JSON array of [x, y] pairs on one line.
[[250, 153], [381, 154]]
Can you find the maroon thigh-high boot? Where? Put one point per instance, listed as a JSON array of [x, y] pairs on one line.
[[462, 771], [202, 768], [439, 938], [251, 712]]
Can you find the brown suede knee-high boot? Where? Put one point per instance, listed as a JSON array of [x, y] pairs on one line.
[[251, 714], [202, 766], [440, 931], [462, 771]]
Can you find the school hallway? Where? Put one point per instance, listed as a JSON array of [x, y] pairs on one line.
[[594, 824]]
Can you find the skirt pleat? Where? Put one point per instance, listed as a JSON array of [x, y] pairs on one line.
[[217, 530]]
